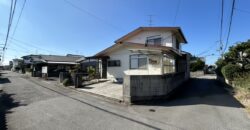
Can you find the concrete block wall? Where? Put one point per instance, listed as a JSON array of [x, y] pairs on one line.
[[146, 87]]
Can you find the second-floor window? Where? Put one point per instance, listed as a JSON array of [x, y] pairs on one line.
[[154, 40]]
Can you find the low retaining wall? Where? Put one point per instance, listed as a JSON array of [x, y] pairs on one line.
[[147, 87]]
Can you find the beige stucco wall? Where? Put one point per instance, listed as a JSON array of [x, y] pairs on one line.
[[142, 37], [123, 55]]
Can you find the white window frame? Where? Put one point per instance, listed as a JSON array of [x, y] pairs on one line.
[[154, 38], [169, 65], [139, 56]]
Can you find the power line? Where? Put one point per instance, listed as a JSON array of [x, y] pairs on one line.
[[13, 11], [221, 25], [93, 15], [21, 42], [242, 10], [207, 50], [11, 16], [31, 45], [21, 47], [19, 17], [230, 25], [9, 23], [177, 11]]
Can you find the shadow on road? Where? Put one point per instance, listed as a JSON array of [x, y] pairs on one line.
[[4, 80], [198, 91], [6, 104]]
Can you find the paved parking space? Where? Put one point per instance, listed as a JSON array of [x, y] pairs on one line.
[[107, 89]]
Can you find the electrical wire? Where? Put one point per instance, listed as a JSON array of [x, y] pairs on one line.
[[93, 15], [242, 10], [207, 50], [11, 16], [177, 11], [19, 17], [230, 25], [221, 25]]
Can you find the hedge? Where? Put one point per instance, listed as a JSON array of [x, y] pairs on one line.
[[231, 71]]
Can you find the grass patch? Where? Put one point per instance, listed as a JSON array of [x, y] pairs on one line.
[[243, 95], [241, 87]]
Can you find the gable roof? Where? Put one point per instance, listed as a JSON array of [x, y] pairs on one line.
[[176, 30]]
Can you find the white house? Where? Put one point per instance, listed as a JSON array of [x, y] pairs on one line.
[[144, 51], [16, 65]]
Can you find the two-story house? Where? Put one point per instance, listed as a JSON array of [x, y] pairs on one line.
[[144, 51]]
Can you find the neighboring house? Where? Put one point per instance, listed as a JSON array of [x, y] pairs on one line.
[[10, 65], [145, 51], [17, 64], [51, 65]]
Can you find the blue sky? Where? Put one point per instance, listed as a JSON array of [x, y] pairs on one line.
[[55, 27]]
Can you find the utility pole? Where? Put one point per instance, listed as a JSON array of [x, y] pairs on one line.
[[221, 48]]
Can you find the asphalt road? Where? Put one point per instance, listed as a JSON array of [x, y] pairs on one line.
[[29, 104]]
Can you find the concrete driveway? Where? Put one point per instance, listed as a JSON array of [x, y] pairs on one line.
[[31, 104], [201, 103], [106, 89]]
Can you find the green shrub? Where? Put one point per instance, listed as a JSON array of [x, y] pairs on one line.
[[220, 63], [66, 82], [231, 71], [91, 72]]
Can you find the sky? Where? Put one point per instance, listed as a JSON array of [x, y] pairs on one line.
[[86, 27]]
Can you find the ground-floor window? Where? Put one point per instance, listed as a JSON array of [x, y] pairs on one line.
[[168, 65], [138, 61], [114, 63]]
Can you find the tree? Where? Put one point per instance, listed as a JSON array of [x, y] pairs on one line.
[[239, 54], [231, 71], [197, 65], [237, 57]]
